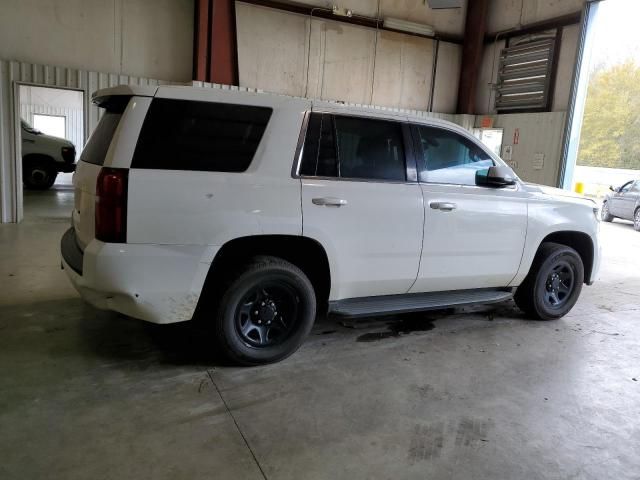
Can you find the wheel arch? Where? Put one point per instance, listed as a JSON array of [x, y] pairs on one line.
[[580, 242], [37, 157], [304, 252]]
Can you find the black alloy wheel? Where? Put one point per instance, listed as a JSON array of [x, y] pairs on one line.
[[265, 312], [553, 284]]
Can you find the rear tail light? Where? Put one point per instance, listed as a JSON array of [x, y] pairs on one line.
[[111, 205], [69, 154]]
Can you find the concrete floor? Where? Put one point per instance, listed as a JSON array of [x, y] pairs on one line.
[[484, 395]]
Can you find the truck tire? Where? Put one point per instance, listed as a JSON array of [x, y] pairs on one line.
[[265, 312], [553, 284], [38, 175]]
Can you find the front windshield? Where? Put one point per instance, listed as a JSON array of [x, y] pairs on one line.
[[28, 127]]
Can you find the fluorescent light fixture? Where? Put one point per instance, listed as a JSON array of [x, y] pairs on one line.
[[441, 4], [410, 27]]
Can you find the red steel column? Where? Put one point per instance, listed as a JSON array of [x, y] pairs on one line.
[[201, 40], [223, 50], [472, 49]]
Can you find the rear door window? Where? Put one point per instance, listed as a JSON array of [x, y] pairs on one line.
[[204, 136], [97, 146], [354, 148]]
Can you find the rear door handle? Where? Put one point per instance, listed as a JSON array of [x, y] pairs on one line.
[[444, 206], [329, 201]]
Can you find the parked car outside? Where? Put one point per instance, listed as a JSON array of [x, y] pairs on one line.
[[623, 202], [43, 157], [251, 212]]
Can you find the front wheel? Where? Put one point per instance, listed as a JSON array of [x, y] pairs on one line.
[[636, 220], [553, 284], [38, 176], [265, 313], [604, 214]]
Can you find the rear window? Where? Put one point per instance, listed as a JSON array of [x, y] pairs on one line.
[[189, 135], [96, 148]]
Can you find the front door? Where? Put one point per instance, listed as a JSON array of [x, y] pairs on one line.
[[628, 199], [617, 200], [360, 204], [473, 236]]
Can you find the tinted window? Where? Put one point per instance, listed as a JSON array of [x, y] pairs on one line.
[[188, 135], [370, 149], [96, 148], [351, 147], [447, 157], [319, 157]]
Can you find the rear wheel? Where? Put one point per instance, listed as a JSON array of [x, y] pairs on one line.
[[636, 220], [553, 284], [604, 214], [265, 313], [38, 175]]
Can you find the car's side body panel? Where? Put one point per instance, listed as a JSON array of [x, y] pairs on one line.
[[479, 244], [548, 215], [385, 240]]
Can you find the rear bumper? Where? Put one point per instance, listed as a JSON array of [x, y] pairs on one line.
[[65, 167], [156, 283]]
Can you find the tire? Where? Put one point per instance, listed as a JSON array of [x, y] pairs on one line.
[[543, 295], [38, 175], [265, 312], [604, 213], [636, 220]]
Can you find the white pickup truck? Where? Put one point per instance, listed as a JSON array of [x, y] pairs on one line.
[[253, 211]]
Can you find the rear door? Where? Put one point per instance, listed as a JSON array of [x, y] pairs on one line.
[[361, 201], [473, 236]]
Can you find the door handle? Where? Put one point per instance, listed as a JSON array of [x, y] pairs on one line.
[[329, 201], [444, 206]]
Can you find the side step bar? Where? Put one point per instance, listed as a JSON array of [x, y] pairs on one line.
[[416, 302]]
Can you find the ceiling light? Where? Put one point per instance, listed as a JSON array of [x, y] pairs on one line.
[[410, 27]]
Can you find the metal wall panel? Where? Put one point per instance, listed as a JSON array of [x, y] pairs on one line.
[[13, 73]]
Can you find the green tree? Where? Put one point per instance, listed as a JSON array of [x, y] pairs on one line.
[[611, 127]]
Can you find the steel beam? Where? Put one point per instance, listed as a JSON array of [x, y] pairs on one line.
[[472, 50]]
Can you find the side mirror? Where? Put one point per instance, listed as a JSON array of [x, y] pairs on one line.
[[612, 188], [497, 176]]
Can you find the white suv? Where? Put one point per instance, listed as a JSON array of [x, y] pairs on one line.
[[254, 211]]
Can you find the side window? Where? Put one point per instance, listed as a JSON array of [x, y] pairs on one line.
[[319, 158], [353, 147], [636, 187], [626, 187], [205, 136], [448, 157]]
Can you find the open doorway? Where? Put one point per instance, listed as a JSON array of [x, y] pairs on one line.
[[51, 139], [608, 152]]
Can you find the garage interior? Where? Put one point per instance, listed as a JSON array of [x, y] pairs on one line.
[[472, 393]]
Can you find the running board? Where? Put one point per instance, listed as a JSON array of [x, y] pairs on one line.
[[416, 302]]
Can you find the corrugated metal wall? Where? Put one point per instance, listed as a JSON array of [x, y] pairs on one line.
[[12, 73]]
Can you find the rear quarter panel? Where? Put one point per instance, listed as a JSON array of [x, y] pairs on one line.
[[210, 208]]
